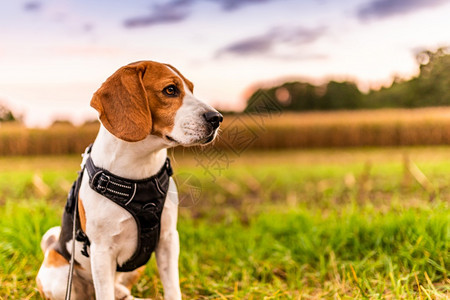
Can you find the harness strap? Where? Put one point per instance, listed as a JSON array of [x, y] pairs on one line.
[[120, 189]]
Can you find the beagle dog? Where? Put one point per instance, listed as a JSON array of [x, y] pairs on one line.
[[144, 108]]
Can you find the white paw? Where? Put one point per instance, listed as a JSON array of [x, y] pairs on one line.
[[122, 293]]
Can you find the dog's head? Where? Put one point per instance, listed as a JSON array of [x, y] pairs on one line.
[[149, 98]]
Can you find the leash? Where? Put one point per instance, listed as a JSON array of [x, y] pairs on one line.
[[74, 226], [72, 257]]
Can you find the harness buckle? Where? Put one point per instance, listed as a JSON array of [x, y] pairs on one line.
[[101, 182]]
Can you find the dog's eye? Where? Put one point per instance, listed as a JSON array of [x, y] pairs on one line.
[[171, 91]]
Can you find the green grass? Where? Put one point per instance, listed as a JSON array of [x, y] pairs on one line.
[[277, 225]]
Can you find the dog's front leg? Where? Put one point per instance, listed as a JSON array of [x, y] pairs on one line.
[[168, 248], [103, 269]]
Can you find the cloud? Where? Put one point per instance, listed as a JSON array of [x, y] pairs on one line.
[[266, 43], [144, 21], [88, 27], [170, 12], [175, 11], [229, 5], [32, 6], [249, 46], [387, 8]]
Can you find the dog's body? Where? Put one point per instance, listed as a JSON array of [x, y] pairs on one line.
[[144, 108]]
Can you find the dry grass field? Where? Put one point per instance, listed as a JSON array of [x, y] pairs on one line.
[[274, 130]]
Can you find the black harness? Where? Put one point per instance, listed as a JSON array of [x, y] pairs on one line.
[[143, 199]]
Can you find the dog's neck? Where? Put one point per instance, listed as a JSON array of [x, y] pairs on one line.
[[132, 160]]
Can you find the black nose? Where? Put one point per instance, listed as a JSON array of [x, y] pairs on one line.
[[214, 118]]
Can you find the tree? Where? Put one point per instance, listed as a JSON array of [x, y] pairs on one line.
[[6, 115], [431, 87], [433, 83], [302, 96], [341, 95]]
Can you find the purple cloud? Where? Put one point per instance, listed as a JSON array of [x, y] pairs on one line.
[[229, 5], [175, 11], [386, 8], [170, 12], [32, 6], [144, 21], [249, 46], [265, 43]]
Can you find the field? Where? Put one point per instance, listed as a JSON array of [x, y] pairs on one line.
[[268, 131], [289, 224]]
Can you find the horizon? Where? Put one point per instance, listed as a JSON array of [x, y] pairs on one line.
[[55, 54]]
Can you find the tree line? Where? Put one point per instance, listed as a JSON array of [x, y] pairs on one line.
[[431, 87]]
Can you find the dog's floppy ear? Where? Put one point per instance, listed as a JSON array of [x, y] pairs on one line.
[[122, 104]]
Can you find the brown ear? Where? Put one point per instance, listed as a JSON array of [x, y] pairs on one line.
[[122, 104]]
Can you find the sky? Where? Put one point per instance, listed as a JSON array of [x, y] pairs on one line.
[[54, 54]]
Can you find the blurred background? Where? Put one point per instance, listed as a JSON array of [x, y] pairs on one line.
[[329, 179]]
